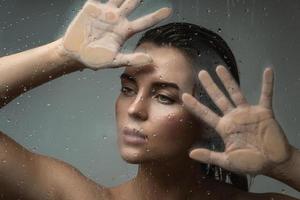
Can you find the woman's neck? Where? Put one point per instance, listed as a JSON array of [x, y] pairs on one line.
[[176, 179]]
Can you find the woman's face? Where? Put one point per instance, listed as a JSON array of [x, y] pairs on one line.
[[150, 102]]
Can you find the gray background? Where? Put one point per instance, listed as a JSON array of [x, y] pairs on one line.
[[72, 118]]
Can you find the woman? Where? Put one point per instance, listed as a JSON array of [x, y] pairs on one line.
[[160, 124]]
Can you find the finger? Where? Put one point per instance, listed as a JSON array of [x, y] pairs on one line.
[[267, 89], [116, 3], [200, 110], [128, 6], [135, 59], [150, 19], [215, 93], [231, 86], [209, 157]]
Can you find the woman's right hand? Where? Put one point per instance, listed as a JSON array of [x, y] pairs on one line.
[[99, 30]]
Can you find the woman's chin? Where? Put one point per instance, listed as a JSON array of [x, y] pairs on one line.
[[133, 156]]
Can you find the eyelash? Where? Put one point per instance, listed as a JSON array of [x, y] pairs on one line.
[[170, 101]]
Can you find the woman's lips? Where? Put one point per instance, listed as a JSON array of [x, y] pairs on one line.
[[134, 136]]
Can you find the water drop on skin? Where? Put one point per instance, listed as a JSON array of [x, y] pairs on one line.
[[170, 116]]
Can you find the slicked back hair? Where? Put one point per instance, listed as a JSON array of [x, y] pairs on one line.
[[198, 44]]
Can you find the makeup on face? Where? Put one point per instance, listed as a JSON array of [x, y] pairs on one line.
[[168, 91], [151, 118], [133, 136]]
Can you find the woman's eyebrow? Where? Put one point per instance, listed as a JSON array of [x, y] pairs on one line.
[[128, 77], [157, 84], [165, 85]]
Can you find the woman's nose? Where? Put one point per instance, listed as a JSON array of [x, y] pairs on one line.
[[138, 109]]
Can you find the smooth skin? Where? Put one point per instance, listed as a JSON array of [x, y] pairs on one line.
[[33, 176]]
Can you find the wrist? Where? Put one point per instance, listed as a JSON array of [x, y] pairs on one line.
[[281, 170], [65, 58]]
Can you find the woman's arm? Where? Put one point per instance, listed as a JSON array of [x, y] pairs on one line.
[[94, 38], [288, 172], [25, 70]]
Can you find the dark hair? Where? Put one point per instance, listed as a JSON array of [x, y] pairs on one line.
[[196, 42]]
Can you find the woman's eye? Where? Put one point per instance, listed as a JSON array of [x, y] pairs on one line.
[[127, 91], [164, 99]]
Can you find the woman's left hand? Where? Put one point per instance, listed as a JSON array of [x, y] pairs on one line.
[[254, 141]]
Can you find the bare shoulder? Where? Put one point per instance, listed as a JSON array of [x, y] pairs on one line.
[[32, 176], [69, 182]]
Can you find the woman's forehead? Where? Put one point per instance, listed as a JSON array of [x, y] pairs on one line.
[[168, 65]]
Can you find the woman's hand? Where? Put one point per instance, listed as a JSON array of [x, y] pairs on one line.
[[254, 141], [99, 30]]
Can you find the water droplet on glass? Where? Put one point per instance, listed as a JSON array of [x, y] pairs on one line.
[[34, 149], [104, 137]]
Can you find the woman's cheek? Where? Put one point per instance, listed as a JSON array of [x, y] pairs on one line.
[[172, 123]]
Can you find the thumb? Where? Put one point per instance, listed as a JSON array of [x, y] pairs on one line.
[[209, 157], [134, 59]]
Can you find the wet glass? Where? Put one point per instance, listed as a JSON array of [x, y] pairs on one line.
[[72, 118]]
